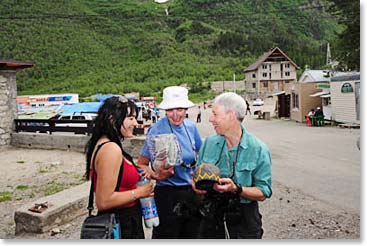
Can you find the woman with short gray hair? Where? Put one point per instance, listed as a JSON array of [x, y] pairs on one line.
[[245, 165], [234, 102]]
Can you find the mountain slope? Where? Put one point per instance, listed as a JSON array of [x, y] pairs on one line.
[[101, 46]]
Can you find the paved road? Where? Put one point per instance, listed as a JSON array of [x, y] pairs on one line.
[[323, 162], [316, 188]]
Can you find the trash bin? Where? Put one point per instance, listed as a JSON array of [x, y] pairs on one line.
[[266, 115]]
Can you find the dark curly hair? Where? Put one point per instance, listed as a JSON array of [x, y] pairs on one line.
[[111, 116]]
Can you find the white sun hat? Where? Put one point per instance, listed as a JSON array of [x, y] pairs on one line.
[[175, 97]]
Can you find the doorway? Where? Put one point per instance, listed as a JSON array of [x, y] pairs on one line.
[[284, 106]]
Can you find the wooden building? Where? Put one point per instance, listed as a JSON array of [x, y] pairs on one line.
[[310, 91], [270, 73]]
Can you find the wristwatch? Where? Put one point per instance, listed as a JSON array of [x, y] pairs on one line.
[[239, 189]]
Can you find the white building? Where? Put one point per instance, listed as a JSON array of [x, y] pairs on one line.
[[345, 95]]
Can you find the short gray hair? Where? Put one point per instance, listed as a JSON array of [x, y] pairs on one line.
[[232, 101]]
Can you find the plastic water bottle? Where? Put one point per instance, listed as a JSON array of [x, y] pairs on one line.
[[148, 207]]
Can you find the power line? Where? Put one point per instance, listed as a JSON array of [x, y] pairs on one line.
[[27, 16]]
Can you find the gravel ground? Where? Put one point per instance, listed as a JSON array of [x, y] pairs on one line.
[[30, 174]]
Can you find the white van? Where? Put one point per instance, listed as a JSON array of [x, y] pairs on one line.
[[76, 116]]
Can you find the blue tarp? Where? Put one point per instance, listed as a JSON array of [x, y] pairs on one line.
[[103, 98], [87, 107]]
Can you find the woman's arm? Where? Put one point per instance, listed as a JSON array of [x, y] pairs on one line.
[[108, 162]]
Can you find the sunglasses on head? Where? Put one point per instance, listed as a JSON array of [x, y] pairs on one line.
[[122, 99]]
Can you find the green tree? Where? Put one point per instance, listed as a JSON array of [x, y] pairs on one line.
[[348, 46]]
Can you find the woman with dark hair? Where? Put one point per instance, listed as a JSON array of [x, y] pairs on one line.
[[105, 156]]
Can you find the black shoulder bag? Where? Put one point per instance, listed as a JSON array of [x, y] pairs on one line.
[[104, 225]]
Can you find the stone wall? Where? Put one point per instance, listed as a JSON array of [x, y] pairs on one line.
[[8, 105], [66, 141]]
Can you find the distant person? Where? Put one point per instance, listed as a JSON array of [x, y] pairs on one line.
[[309, 117], [154, 115], [246, 176], [106, 158], [318, 112], [140, 118], [318, 117], [198, 118], [311, 113], [204, 105], [247, 108]]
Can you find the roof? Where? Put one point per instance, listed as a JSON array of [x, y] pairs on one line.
[[277, 93], [14, 65], [321, 93], [265, 56], [86, 107], [346, 76], [313, 76]]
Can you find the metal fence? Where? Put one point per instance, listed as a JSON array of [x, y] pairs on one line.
[[50, 126]]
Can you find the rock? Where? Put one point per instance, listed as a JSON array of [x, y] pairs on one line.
[[55, 231]]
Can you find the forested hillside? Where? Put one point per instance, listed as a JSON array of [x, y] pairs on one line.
[[119, 46]]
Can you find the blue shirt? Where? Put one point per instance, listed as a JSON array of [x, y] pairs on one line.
[[253, 165], [190, 142]]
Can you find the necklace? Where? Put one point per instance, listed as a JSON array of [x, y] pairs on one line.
[[235, 161]]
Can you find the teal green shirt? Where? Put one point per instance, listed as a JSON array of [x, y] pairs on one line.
[[253, 165]]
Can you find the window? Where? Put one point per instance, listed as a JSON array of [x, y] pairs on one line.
[[295, 103], [253, 85], [347, 87], [78, 117], [265, 84], [253, 75], [287, 65], [265, 75], [287, 73], [264, 66]]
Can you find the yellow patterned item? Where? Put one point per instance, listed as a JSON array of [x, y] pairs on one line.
[[205, 176]]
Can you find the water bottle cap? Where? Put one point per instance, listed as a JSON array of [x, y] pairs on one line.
[[140, 171]]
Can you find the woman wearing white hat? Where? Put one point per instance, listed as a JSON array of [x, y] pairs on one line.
[[176, 201]]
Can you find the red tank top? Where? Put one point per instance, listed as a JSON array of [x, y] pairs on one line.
[[130, 178]]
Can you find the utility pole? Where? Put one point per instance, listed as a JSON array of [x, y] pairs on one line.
[[328, 55], [234, 83]]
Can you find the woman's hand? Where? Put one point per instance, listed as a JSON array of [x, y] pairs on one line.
[[197, 191], [193, 186], [145, 190], [164, 173], [147, 171], [225, 185]]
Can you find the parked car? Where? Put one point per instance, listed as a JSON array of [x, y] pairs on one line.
[[76, 116], [258, 102]]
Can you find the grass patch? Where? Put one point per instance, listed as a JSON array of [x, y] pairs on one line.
[[53, 188], [22, 187], [5, 196]]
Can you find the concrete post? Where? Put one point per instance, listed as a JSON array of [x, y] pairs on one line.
[[8, 105], [8, 97]]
